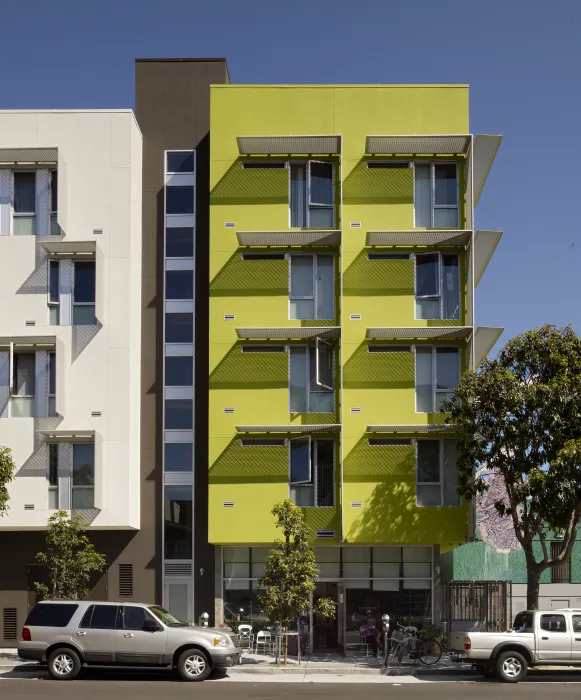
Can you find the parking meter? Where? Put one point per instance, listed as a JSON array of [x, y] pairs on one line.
[[385, 621]]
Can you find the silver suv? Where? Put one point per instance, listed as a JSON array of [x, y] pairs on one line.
[[68, 635]]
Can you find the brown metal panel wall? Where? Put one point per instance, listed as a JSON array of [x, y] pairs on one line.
[[172, 105]]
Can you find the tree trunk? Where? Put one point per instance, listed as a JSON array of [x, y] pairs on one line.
[[533, 584]]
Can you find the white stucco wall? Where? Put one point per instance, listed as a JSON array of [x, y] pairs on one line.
[[100, 153]]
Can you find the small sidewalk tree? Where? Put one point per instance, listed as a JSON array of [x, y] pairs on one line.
[[290, 572], [520, 417], [69, 558], [7, 469]]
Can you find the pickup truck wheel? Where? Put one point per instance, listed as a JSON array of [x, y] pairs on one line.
[[194, 665], [64, 664], [511, 667]]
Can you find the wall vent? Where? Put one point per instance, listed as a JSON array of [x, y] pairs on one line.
[[355, 409], [228, 504], [355, 224], [29, 506], [126, 580], [30, 323], [178, 568], [228, 410], [325, 534], [356, 504], [229, 317], [229, 224], [9, 623], [95, 414], [355, 317], [97, 231]]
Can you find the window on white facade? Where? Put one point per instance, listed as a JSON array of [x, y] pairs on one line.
[[53, 473], [54, 292], [83, 481], [312, 288], [436, 195], [437, 286], [54, 227], [437, 374], [52, 384], [437, 474], [24, 203], [311, 384], [24, 385], [312, 195], [84, 293], [312, 479]]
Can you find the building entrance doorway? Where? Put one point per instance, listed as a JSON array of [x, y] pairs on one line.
[[325, 630]]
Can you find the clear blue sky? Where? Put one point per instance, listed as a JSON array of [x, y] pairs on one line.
[[522, 59]]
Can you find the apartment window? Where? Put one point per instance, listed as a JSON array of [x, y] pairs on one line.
[[312, 195], [264, 165], [312, 480], [179, 242], [311, 388], [562, 572], [389, 442], [263, 348], [179, 414], [83, 482], [388, 256], [24, 385], [437, 374], [178, 522], [54, 227], [180, 161], [437, 286], [436, 195], [179, 199], [84, 293], [24, 219], [53, 474], [389, 348], [52, 385], [179, 371], [178, 456], [388, 165], [437, 475], [179, 284], [263, 442], [54, 292], [179, 328], [311, 293]]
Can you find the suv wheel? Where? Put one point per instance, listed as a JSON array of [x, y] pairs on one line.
[[193, 665], [511, 667], [64, 664]]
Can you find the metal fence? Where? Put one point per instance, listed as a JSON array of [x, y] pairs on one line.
[[477, 606]]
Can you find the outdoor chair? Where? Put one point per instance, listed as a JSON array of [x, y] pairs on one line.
[[246, 637], [264, 639]]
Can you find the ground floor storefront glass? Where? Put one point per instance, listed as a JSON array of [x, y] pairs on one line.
[[365, 582]]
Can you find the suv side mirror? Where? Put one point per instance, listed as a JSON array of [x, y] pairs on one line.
[[150, 626]]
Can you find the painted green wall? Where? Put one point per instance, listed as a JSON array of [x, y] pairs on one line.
[[381, 291]]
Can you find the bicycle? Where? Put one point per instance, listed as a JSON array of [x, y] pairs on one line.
[[406, 641]]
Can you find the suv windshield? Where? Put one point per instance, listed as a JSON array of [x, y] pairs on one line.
[[166, 617]]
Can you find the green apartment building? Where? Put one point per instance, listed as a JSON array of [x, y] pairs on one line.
[[343, 264]]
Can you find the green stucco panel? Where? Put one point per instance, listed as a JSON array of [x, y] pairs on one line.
[[239, 370], [366, 185], [379, 370], [378, 277], [250, 465], [251, 186], [240, 277]]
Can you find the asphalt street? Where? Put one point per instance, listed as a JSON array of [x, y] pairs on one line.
[[152, 687]]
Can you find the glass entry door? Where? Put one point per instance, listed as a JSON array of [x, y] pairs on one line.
[[177, 598]]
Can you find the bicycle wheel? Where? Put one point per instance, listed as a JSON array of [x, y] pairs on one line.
[[429, 651]]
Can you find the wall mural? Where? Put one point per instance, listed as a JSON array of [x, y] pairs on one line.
[[494, 529]]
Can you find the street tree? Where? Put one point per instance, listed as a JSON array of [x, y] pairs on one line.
[[7, 469], [69, 558], [290, 572], [519, 418]]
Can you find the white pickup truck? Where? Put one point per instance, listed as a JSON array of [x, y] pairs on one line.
[[538, 638]]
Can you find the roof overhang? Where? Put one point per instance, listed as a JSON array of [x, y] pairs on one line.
[[28, 340], [419, 332], [442, 144], [291, 144], [484, 152], [69, 249], [484, 339], [485, 243], [32, 156], [438, 428], [288, 238], [418, 238], [294, 428], [293, 333], [67, 435]]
